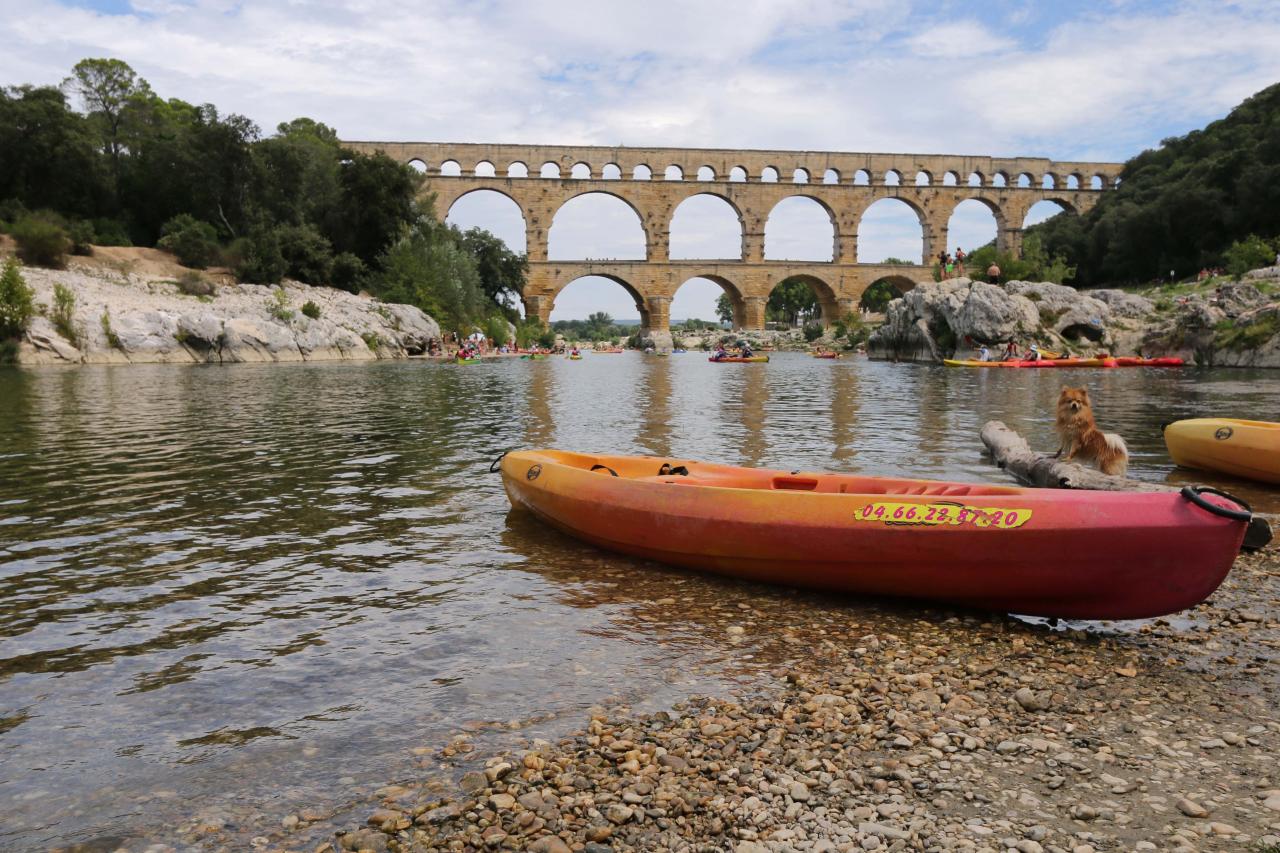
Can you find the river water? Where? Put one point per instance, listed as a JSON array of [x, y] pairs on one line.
[[231, 592]]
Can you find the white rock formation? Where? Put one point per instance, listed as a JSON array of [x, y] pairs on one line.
[[151, 320]]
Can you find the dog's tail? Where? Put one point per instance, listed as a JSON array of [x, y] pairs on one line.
[[1118, 464]]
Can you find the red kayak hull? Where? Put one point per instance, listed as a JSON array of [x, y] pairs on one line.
[[1071, 554]]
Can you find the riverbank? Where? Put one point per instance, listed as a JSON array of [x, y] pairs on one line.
[[965, 732], [1218, 322], [137, 306]]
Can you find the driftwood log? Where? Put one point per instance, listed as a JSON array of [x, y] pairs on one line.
[[1011, 452]]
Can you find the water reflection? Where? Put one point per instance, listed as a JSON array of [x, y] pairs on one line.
[[248, 584]]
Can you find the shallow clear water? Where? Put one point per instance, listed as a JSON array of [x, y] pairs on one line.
[[258, 587]]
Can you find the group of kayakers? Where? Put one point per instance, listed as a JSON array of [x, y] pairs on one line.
[[721, 353], [1011, 353]]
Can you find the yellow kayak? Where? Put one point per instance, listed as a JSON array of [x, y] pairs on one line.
[[1249, 449]]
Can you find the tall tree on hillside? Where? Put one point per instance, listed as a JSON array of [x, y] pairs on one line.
[[377, 197], [107, 87]]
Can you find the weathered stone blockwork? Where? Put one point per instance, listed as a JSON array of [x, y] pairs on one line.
[[844, 184]]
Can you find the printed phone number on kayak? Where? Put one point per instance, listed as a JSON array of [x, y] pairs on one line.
[[949, 514]]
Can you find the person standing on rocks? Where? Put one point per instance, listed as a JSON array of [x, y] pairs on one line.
[[959, 261], [942, 264], [993, 273]]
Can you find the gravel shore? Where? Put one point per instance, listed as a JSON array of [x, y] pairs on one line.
[[957, 731]]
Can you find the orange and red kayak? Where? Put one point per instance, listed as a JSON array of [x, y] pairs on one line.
[[1044, 552], [737, 359]]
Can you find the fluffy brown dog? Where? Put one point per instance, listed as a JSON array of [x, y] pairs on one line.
[[1082, 438]]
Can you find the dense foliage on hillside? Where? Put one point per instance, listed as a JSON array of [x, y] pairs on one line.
[[129, 167], [1182, 206]]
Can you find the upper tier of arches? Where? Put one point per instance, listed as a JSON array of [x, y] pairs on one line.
[[725, 166]]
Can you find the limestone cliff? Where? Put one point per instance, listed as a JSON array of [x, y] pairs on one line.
[[133, 316]]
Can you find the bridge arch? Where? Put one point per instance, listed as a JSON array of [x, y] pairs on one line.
[[418, 165], [706, 225], [611, 172], [877, 295], [493, 210], [885, 221], [791, 230], [825, 294], [603, 218], [974, 222], [518, 169], [548, 300], [1045, 209], [737, 300]]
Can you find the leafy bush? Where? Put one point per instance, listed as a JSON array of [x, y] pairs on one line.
[[63, 313], [1231, 336], [193, 283], [1248, 254], [812, 331], [110, 232], [547, 339], [81, 234], [527, 332], [347, 272], [307, 254], [42, 241], [279, 307], [192, 242], [259, 258], [371, 340], [17, 301], [113, 340], [310, 309], [495, 329]]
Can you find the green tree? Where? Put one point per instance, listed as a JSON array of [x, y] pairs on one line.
[[42, 240], [17, 301], [306, 252], [107, 87], [50, 158], [376, 202], [724, 308], [877, 297], [1249, 254], [791, 301], [502, 271], [427, 267]]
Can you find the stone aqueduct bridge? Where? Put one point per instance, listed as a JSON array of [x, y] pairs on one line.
[[845, 185]]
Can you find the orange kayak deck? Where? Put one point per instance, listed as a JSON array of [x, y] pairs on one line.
[[1072, 554]]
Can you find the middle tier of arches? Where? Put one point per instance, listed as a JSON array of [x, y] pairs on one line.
[[841, 210]]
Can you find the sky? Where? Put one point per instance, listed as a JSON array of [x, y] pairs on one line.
[[1089, 80]]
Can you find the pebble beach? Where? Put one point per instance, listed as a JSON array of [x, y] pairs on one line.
[[955, 731]]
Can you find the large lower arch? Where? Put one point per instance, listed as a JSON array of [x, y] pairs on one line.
[[698, 298], [800, 228], [596, 226], [580, 297], [891, 229], [822, 308], [877, 296], [706, 226], [492, 210]]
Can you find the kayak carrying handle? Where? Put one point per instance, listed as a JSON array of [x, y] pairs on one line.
[[1193, 493], [605, 467], [666, 470], [497, 463]]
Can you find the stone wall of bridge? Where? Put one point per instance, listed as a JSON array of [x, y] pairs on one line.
[[653, 182]]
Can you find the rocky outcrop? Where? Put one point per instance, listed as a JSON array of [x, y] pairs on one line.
[[121, 317], [1230, 324], [930, 322]]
